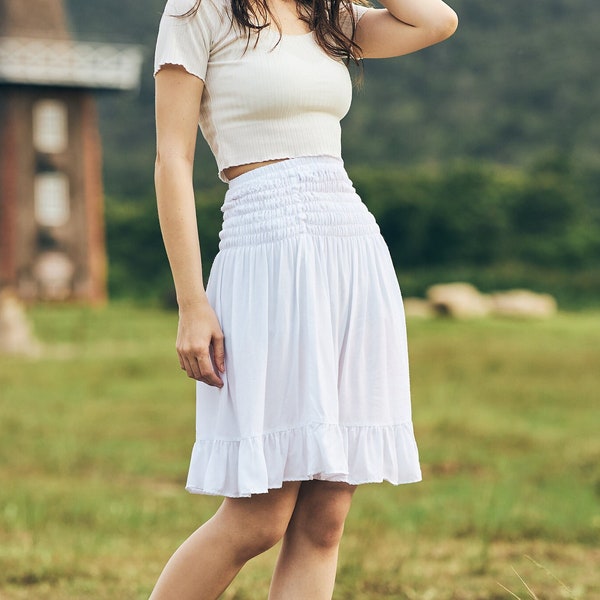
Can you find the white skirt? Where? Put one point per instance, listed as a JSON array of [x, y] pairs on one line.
[[316, 383]]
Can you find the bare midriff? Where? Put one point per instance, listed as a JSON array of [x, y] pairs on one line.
[[233, 172]]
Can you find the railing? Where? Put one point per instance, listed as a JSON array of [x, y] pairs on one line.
[[70, 63]]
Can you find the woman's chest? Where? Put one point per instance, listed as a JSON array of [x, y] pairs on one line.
[[274, 78]]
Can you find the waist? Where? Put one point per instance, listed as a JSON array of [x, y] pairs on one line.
[[309, 195], [231, 173]]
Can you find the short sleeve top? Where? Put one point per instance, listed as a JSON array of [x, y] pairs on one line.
[[267, 99]]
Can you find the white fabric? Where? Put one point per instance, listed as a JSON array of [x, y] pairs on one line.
[[316, 383], [280, 98]]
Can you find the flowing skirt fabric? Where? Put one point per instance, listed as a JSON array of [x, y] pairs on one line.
[[317, 382]]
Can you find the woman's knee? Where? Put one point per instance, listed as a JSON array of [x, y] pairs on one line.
[[259, 535], [321, 512], [256, 524]]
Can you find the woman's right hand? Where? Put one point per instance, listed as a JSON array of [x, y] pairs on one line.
[[200, 344]]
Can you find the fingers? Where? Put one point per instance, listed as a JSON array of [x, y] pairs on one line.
[[198, 365], [218, 346], [200, 345], [207, 371]]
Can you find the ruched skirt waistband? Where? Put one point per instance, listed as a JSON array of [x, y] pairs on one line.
[[310, 195]]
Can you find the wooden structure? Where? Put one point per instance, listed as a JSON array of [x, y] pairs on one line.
[[51, 197]]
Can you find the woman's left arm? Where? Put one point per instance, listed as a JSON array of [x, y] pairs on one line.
[[404, 26]]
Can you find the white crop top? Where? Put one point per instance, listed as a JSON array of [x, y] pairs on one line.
[[262, 102]]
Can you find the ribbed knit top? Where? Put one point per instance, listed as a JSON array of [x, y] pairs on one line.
[[278, 98]]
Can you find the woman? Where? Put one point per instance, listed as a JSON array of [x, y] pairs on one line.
[[298, 343]]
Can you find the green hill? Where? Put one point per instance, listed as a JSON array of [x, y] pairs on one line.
[[518, 79]]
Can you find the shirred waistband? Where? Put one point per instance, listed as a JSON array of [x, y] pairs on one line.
[[298, 166], [309, 195]]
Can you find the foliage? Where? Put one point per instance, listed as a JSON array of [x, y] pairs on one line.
[[95, 439], [497, 227], [479, 156], [517, 79], [477, 214], [138, 264]]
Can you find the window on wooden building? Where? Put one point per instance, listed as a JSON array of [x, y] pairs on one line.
[[50, 126], [51, 195]]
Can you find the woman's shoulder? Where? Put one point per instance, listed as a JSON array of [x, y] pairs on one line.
[[208, 19], [201, 9], [189, 32]]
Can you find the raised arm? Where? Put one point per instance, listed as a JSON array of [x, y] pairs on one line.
[[178, 97], [404, 26]]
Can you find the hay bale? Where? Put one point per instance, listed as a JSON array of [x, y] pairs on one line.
[[458, 300], [523, 304], [418, 307]]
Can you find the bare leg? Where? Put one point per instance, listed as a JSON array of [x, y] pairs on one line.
[[205, 564], [307, 562]]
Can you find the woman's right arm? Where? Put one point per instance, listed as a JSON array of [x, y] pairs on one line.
[[199, 335]]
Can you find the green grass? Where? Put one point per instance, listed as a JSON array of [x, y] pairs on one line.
[[95, 437]]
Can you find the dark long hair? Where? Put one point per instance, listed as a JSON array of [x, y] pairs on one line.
[[322, 17]]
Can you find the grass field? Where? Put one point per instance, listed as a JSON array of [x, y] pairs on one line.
[[95, 437]]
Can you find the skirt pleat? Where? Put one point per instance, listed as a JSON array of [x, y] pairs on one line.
[[317, 382]]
